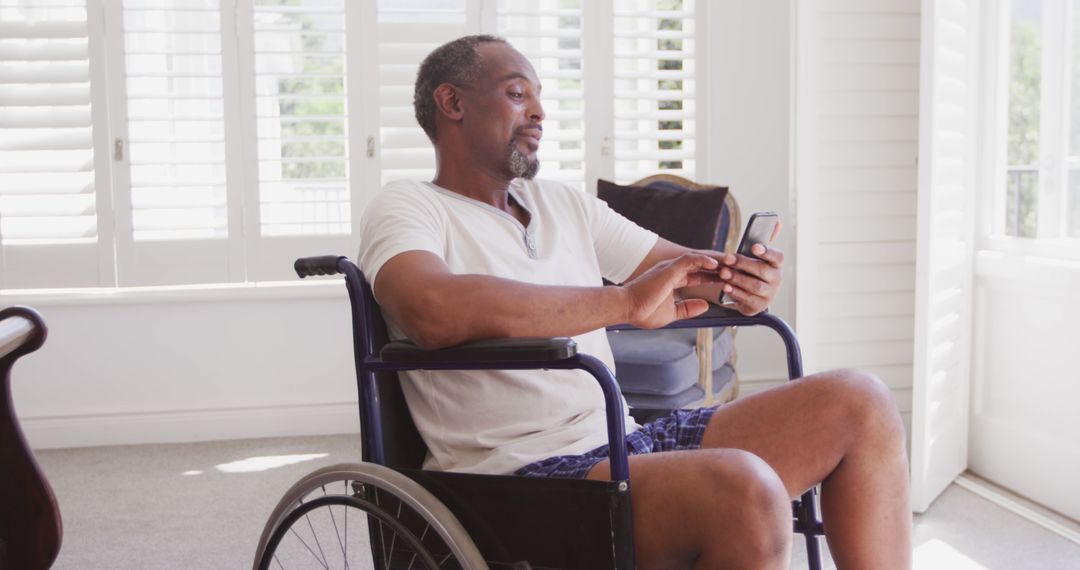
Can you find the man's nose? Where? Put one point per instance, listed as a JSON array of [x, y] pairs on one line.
[[536, 111]]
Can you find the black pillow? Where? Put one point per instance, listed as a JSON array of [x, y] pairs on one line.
[[691, 218]]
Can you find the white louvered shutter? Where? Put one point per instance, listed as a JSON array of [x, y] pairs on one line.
[[550, 34], [944, 248], [175, 111], [408, 32], [301, 119], [48, 221], [168, 111], [655, 88]]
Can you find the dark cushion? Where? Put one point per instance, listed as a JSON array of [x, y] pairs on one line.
[[662, 362], [691, 218]]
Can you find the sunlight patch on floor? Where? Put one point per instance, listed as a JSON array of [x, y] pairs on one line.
[[936, 554], [253, 464]]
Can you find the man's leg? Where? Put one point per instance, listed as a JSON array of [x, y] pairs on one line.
[[707, 508], [840, 428]]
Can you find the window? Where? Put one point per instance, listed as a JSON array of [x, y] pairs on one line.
[[1042, 134], [50, 175], [655, 84], [168, 142]]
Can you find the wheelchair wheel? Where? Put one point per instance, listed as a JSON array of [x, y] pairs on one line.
[[363, 516]]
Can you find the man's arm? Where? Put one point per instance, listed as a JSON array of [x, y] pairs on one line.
[[437, 308], [751, 283]]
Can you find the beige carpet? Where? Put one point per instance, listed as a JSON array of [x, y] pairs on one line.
[[186, 506]]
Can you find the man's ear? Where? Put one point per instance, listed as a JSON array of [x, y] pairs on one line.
[[448, 101]]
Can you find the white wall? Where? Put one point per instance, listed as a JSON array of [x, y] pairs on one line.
[[1025, 383], [136, 367], [749, 147], [186, 366], [857, 100]]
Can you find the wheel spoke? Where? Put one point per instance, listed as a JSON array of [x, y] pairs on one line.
[[326, 563], [321, 563], [337, 533], [382, 541], [393, 539]]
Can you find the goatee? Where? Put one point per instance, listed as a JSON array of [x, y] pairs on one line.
[[520, 165]]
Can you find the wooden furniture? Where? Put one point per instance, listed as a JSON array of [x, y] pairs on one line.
[[30, 527]]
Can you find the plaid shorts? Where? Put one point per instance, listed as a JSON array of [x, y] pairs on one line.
[[682, 429]]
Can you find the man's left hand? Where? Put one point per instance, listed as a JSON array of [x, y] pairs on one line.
[[752, 283]]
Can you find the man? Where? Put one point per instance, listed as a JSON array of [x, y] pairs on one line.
[[486, 251]]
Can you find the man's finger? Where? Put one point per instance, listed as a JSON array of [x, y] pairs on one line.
[[745, 303], [688, 308], [757, 268], [750, 284], [776, 230], [692, 261], [773, 256]]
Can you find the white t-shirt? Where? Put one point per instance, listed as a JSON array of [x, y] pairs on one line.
[[498, 421]]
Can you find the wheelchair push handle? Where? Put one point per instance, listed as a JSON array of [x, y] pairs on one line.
[[318, 265]]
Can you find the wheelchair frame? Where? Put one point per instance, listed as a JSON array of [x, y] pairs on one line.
[[480, 501]]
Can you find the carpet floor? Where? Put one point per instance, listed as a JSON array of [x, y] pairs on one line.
[[203, 505]]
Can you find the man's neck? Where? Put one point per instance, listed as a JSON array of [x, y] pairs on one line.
[[477, 184]]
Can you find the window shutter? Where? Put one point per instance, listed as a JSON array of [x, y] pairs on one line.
[[175, 112], [655, 88], [47, 163], [408, 32], [300, 110], [549, 34], [948, 143]]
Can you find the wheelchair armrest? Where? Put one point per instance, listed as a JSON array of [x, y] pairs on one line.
[[716, 316], [500, 350]]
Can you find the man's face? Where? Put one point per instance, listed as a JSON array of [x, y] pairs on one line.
[[505, 124]]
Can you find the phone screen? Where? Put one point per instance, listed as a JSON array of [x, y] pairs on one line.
[[759, 229]]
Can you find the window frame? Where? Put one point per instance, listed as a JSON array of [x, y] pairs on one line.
[[1050, 240]]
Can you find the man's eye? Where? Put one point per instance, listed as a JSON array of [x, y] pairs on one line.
[[516, 94]]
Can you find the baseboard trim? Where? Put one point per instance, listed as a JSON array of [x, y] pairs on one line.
[[185, 426], [996, 496]]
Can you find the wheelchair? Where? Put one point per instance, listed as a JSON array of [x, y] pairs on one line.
[[403, 517]]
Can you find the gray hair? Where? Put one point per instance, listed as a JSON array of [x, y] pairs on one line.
[[456, 62]]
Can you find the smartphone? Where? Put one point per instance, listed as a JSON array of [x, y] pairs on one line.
[[759, 229]]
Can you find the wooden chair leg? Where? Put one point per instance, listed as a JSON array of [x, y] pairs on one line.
[[704, 355]]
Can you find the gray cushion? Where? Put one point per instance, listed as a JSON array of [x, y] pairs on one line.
[[663, 362], [721, 379]]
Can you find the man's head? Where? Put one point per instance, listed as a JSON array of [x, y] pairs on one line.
[[479, 93]]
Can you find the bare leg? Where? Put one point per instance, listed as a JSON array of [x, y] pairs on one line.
[[840, 428], [707, 508]]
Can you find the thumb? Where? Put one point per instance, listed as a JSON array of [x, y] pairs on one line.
[[687, 308]]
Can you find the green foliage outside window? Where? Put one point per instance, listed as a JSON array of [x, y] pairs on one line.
[[1025, 77]]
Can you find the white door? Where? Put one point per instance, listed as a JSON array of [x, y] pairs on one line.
[[947, 144]]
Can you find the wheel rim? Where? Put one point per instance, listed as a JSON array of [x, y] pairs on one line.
[[362, 528]]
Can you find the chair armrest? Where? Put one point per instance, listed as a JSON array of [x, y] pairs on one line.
[[716, 316], [500, 350]]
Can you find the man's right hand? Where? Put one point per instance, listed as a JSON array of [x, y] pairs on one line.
[[652, 301]]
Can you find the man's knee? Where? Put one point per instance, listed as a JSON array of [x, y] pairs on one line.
[[864, 404], [761, 514]]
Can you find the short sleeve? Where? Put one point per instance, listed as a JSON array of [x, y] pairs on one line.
[[620, 244], [403, 217]]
